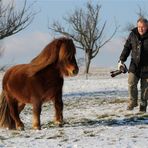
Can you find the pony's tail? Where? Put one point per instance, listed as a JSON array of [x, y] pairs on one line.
[[6, 120]]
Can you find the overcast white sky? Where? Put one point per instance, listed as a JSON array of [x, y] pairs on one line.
[[25, 45]]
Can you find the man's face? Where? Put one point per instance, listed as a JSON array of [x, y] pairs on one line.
[[142, 28]]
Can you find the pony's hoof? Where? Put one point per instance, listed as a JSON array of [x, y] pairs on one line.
[[58, 123], [37, 128], [20, 128]]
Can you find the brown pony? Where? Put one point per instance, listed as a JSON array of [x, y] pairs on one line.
[[37, 82]]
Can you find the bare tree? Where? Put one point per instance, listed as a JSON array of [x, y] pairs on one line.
[[13, 21], [86, 30]]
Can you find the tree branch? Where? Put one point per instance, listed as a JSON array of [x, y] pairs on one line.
[[12, 21]]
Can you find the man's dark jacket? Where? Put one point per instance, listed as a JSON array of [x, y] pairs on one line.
[[138, 47]]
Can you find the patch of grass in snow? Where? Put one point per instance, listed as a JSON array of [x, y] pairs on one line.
[[142, 127], [89, 133], [102, 116], [59, 134], [54, 137], [139, 115], [145, 115], [64, 140], [128, 114], [116, 101], [3, 138]]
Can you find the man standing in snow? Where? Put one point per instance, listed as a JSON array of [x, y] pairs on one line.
[[137, 45]]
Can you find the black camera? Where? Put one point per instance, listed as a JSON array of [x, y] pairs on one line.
[[123, 69]]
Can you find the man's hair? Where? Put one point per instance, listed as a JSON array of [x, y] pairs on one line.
[[142, 20]]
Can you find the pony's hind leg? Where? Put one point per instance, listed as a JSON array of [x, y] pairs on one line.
[[14, 112]]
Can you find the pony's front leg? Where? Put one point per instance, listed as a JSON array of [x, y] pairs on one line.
[[58, 104], [36, 116]]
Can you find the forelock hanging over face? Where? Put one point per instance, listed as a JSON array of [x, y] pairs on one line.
[[67, 49]]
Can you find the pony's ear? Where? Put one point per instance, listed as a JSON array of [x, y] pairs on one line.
[[48, 56]]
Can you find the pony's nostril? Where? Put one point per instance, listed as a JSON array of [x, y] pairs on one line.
[[75, 71]]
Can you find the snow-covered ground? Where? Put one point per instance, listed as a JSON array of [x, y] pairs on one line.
[[95, 117]]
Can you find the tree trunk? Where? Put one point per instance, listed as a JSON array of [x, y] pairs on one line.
[[87, 63]]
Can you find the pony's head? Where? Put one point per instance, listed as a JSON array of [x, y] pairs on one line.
[[66, 60], [60, 53]]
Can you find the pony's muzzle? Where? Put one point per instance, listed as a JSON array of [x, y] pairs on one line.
[[75, 71]]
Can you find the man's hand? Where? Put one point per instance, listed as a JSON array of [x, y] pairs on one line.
[[121, 64]]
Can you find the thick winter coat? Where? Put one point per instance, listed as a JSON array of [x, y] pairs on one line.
[[138, 47]]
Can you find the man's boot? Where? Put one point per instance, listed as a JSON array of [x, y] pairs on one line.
[[142, 108], [131, 105]]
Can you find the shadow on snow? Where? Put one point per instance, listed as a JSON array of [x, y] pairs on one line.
[[111, 93]]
